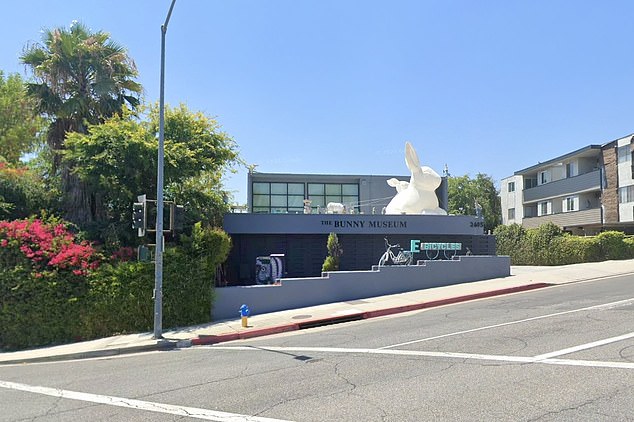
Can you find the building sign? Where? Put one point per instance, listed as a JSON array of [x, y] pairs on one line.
[[432, 250], [353, 224], [361, 224], [417, 246]]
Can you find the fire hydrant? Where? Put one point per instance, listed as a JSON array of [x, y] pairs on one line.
[[244, 314]]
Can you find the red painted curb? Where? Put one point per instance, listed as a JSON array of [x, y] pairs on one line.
[[457, 299], [221, 338]]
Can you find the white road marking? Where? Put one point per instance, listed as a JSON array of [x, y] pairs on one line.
[[584, 346], [449, 355], [473, 330], [190, 412]]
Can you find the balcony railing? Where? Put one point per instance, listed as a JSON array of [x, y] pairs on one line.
[[566, 219], [582, 183]]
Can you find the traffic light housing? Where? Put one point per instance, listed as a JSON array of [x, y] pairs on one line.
[[138, 217], [178, 217]]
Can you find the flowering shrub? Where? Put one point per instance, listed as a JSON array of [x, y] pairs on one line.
[[44, 247]]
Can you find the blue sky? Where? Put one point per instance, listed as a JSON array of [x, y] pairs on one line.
[[308, 86]]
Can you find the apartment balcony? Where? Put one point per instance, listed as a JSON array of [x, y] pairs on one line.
[[583, 183], [581, 218]]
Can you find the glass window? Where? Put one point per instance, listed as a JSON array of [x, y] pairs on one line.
[[296, 201], [626, 194], [333, 199], [279, 189], [278, 200], [571, 169], [317, 201], [296, 189], [511, 187], [316, 189], [511, 213], [260, 187], [570, 203], [332, 189], [350, 190], [261, 200], [350, 200], [624, 153]]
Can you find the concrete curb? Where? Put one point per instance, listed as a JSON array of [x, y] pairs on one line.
[[160, 345], [221, 338]]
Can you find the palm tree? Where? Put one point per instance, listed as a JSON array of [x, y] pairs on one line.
[[81, 78]]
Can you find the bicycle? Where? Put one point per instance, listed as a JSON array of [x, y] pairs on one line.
[[403, 257]]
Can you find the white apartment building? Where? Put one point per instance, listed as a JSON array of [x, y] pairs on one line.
[[584, 192]]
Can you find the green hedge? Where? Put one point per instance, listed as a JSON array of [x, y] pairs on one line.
[[548, 245], [113, 299], [37, 311]]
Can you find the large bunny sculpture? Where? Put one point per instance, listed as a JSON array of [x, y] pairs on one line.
[[419, 195]]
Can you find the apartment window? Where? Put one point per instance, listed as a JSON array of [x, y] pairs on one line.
[[626, 194], [571, 169], [570, 203], [543, 208], [278, 197], [544, 177], [625, 154], [511, 187], [530, 183], [511, 214], [321, 194]]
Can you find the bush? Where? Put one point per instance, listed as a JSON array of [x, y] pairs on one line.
[[612, 245], [121, 296], [629, 246], [548, 245], [38, 311], [43, 271], [119, 300], [331, 263], [53, 291], [576, 249]]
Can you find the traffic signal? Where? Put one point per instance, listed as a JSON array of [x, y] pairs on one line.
[[179, 217], [138, 216], [143, 254]]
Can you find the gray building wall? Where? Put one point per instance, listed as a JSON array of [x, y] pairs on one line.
[[302, 238], [351, 285]]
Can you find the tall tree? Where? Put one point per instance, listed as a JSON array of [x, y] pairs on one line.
[[464, 193], [117, 159], [20, 123], [81, 78]]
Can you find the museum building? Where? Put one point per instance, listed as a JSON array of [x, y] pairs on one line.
[[288, 218]]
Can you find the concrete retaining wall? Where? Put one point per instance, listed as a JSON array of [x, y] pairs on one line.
[[342, 286]]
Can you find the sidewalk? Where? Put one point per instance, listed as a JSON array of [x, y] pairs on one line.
[[522, 279]]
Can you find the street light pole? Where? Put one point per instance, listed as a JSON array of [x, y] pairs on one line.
[[158, 266]]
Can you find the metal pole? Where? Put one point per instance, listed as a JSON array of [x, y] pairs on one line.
[[158, 267]]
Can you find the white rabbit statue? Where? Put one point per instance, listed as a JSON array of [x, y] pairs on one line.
[[419, 195]]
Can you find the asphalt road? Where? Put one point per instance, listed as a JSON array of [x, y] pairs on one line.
[[558, 354]]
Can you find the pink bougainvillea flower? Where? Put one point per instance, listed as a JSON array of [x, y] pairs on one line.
[[48, 246]]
